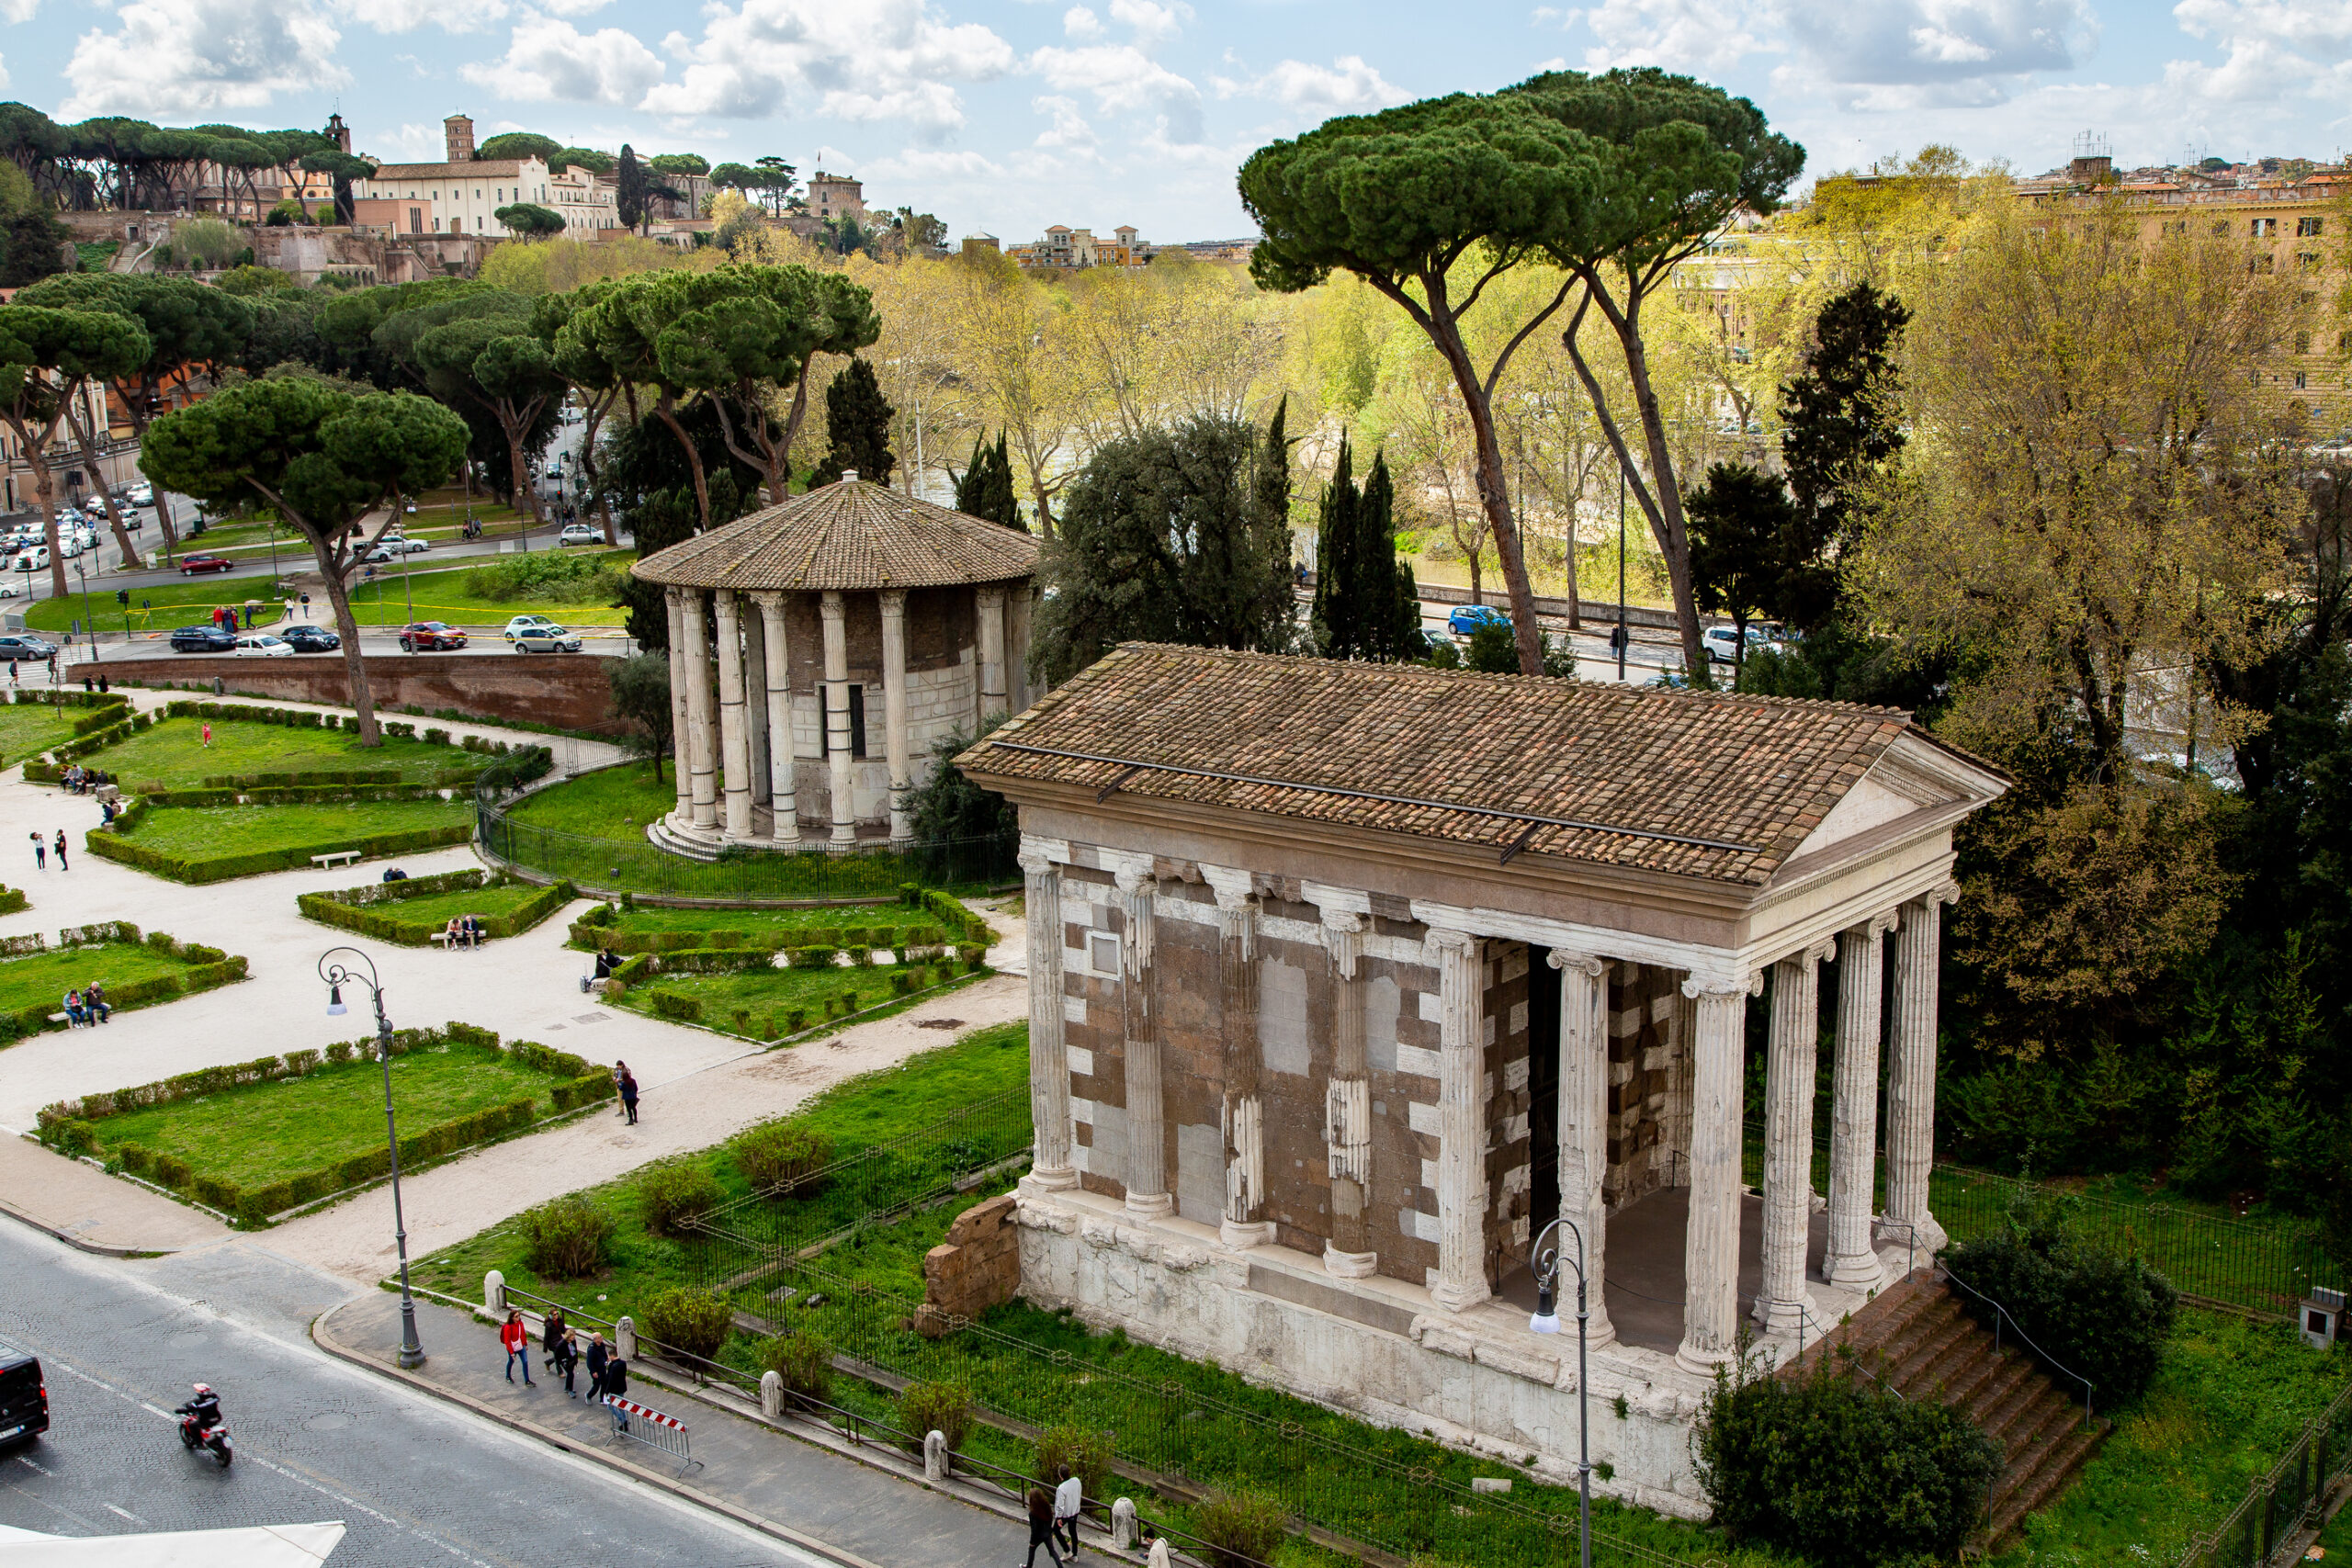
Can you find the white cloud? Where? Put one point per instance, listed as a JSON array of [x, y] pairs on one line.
[[2268, 46], [918, 164], [1966, 45], [408, 16], [18, 10], [1154, 24], [1124, 79], [1069, 128], [550, 59], [189, 57], [883, 60], [1682, 35], [1080, 23], [1349, 83]]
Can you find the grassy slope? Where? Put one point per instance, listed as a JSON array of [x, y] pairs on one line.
[[611, 803], [262, 1133], [440, 909], [871, 917], [214, 832], [45, 978], [2226, 1403], [443, 596], [160, 607], [172, 755], [765, 991], [25, 730]]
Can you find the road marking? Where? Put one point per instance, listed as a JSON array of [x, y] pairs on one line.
[[126, 1513]]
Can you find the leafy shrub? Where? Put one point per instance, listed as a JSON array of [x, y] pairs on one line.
[[1088, 1454], [1240, 1528], [803, 1362], [568, 1237], [670, 1195], [696, 1321], [779, 1158], [549, 577], [1845, 1476], [942, 1408], [2086, 1311]]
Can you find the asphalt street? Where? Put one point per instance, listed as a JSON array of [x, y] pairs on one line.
[[416, 1481]]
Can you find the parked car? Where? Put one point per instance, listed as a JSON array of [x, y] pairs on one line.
[[522, 624], [9, 589], [191, 565], [555, 470], [430, 637], [202, 639], [69, 544], [1468, 618], [311, 639], [26, 646], [547, 639], [24, 1396], [144, 495], [1722, 643], [581, 534], [264, 645], [401, 544], [33, 560]]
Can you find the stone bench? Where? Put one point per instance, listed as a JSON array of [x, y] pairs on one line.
[[334, 858]]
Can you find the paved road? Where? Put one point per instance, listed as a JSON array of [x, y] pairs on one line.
[[417, 1481]]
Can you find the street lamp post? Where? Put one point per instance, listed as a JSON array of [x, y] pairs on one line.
[[337, 975], [1545, 1262], [89, 622]]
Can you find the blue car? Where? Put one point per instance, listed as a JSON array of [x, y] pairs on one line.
[[1468, 618]]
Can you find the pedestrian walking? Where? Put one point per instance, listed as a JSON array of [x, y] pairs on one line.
[[102, 685], [617, 1385], [628, 1096], [88, 685], [60, 851], [567, 1360], [599, 1356], [1041, 1528], [1069, 1497], [551, 1334], [1155, 1548], [207, 732], [517, 1340], [12, 671], [40, 851], [620, 1071]]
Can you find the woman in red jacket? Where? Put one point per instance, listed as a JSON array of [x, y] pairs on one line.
[[517, 1340]]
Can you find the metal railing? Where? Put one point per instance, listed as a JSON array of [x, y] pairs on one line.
[[2047, 1360], [2261, 1531], [643, 1424]]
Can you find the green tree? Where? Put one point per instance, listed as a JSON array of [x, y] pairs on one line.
[[587, 158], [1366, 606], [985, 487], [520, 144], [48, 361], [857, 417], [679, 164], [645, 474], [947, 805], [1841, 422], [641, 695], [323, 458], [1334, 614], [498, 365], [35, 247], [1742, 527], [529, 221], [629, 191], [1167, 537]]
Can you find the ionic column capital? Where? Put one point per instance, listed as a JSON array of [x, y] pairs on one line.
[[1580, 962], [1135, 874], [1942, 893], [1449, 943], [1036, 862], [1235, 888], [1704, 990], [1876, 928]]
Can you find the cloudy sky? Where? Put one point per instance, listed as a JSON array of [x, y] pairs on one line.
[[1006, 116]]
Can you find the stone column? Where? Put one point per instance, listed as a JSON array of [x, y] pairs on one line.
[[1147, 1118], [755, 696], [674, 598], [1052, 1167], [1243, 1113], [734, 743], [992, 697], [1911, 1072], [786, 822], [698, 717], [1461, 1122], [1853, 1114], [837, 744], [894, 709], [1711, 1243], [1347, 1103], [1788, 1137], [1584, 1131]]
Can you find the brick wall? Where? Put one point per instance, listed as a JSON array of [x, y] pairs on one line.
[[1508, 1160], [1645, 1043], [569, 691], [976, 1267]]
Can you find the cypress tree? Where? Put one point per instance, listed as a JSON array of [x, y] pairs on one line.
[[1389, 612], [859, 418], [629, 194], [1338, 626], [984, 489]]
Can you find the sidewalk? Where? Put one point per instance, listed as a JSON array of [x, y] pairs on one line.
[[849, 1511], [85, 1207]]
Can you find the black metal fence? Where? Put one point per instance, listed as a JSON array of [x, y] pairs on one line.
[[745, 875], [2260, 1531]]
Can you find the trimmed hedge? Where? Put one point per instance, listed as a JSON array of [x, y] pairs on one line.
[[298, 795], [13, 900], [354, 909], [208, 969], [112, 846]]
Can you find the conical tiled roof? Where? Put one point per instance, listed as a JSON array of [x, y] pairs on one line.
[[855, 536]]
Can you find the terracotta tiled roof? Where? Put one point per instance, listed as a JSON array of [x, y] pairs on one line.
[[1701, 784], [852, 536]]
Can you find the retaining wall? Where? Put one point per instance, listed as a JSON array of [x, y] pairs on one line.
[[568, 691]]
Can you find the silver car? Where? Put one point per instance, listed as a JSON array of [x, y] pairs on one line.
[[545, 637]]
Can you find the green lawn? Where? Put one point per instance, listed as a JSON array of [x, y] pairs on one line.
[[2227, 1403], [611, 803], [185, 603], [442, 907], [172, 755], [262, 1133], [41, 979], [769, 994], [881, 1107], [216, 832], [27, 731], [761, 923], [443, 596]]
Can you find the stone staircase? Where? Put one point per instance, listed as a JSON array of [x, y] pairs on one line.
[[1917, 1338]]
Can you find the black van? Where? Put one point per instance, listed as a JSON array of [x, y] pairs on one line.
[[24, 1398]]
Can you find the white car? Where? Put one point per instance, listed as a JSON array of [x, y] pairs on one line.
[[69, 545], [401, 544], [34, 560], [144, 496], [581, 534], [544, 638], [536, 623], [262, 645], [1722, 643]]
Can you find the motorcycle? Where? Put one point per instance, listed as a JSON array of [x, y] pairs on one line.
[[203, 1426]]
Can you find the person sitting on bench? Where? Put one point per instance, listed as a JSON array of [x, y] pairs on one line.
[[94, 1003], [75, 1017]]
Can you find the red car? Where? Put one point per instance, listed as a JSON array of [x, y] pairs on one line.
[[429, 637], [191, 565]]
